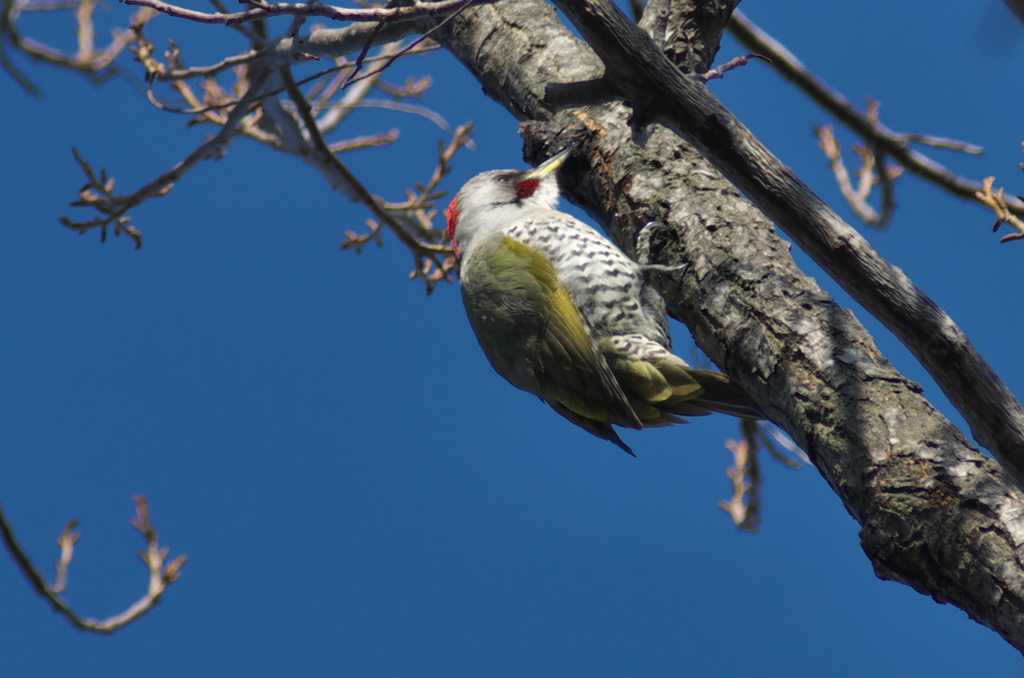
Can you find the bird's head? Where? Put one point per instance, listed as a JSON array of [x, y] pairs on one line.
[[495, 198]]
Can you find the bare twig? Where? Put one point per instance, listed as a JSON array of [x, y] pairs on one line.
[[335, 43], [262, 10], [98, 193], [426, 254], [161, 573], [336, 112], [741, 507], [732, 64], [226, 64], [93, 62], [997, 201], [249, 108], [781, 447], [8, 31], [159, 72], [867, 176], [886, 179], [357, 65], [354, 185], [415, 43], [368, 141], [876, 135], [422, 111], [745, 475], [67, 540], [421, 206]]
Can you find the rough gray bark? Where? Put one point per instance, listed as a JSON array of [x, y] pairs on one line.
[[688, 31], [935, 513], [658, 92]]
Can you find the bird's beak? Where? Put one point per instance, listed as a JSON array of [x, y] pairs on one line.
[[549, 166]]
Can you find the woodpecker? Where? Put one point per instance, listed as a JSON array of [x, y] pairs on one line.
[[563, 313]]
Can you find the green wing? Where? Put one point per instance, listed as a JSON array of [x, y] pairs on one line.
[[535, 337]]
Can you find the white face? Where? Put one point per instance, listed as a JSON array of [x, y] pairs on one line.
[[507, 187], [497, 197]]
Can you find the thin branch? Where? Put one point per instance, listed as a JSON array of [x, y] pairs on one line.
[[261, 10], [367, 141], [427, 255], [422, 111], [7, 29], [336, 113], [731, 65], [357, 65], [97, 64], [165, 75], [44, 5], [877, 135], [886, 179], [341, 42], [421, 206], [67, 540], [98, 193], [161, 572], [997, 201], [867, 175], [426, 35], [159, 72], [249, 32], [745, 475]]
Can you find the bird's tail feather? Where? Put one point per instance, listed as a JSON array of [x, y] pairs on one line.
[[722, 395], [600, 429], [663, 392]]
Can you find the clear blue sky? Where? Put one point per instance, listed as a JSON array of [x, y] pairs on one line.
[[357, 492]]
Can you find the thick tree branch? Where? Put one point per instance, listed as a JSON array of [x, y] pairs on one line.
[[688, 32], [658, 91], [935, 513]]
